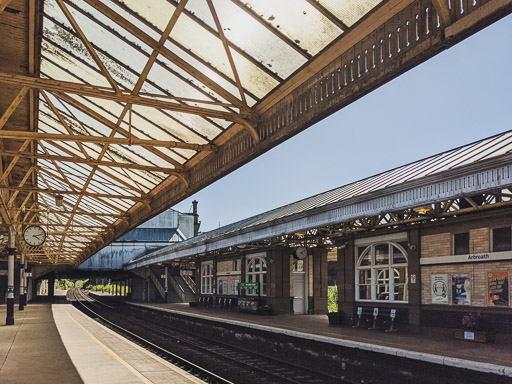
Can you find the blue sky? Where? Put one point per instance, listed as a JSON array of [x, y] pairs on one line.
[[461, 95]]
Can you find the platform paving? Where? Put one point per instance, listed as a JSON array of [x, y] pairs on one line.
[[31, 350], [492, 357], [56, 343]]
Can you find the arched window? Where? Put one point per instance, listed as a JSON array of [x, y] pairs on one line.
[[207, 277], [257, 272], [381, 273]]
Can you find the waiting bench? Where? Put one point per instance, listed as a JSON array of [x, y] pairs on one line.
[[378, 318]]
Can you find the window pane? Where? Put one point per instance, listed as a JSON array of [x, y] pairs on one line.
[[398, 256], [382, 284], [401, 292], [501, 239], [461, 243], [366, 260], [365, 284], [400, 275], [365, 292], [382, 254]]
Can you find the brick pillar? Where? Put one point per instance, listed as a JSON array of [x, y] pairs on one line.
[[413, 254], [320, 280], [278, 281], [346, 277]]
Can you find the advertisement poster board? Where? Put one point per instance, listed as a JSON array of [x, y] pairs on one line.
[[439, 289], [498, 294], [461, 290]]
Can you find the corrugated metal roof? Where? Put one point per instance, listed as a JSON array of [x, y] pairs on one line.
[[466, 155]]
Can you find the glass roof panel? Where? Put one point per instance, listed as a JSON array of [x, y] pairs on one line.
[[173, 127], [349, 11], [212, 75], [241, 28], [68, 64], [292, 16], [108, 42], [67, 41], [173, 85]]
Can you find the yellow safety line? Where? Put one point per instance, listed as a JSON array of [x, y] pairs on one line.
[[115, 355]]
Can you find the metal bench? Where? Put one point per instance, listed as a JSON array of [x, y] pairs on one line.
[[379, 318]]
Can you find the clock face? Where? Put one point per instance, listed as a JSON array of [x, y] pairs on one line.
[[34, 236], [301, 253]]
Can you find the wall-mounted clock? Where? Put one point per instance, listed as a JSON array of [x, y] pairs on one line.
[[300, 253], [34, 235]]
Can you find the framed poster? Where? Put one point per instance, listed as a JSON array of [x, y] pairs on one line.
[[221, 292], [439, 289], [497, 288], [461, 290]]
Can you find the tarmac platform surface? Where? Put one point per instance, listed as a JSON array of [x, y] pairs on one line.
[[56, 343]]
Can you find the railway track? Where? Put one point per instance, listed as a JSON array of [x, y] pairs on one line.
[[222, 363]]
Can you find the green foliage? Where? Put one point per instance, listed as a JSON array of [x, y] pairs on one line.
[[332, 299], [81, 283]]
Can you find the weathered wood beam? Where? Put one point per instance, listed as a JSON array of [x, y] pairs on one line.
[[114, 16], [92, 162], [12, 107], [102, 119], [59, 86], [51, 191], [13, 162], [89, 46], [328, 15], [225, 44], [269, 27], [24, 135], [4, 4], [443, 11]]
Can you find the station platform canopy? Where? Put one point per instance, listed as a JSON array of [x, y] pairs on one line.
[[111, 111], [474, 177]]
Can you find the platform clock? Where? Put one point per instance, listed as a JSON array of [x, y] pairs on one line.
[[34, 235], [300, 253]]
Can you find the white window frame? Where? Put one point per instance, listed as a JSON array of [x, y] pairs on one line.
[[248, 275], [207, 277], [374, 267]]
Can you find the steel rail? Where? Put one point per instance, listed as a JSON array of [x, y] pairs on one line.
[[175, 359]]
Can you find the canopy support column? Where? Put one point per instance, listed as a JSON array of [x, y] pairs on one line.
[[10, 278], [22, 283]]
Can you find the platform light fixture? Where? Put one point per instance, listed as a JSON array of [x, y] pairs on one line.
[[422, 209], [59, 200]]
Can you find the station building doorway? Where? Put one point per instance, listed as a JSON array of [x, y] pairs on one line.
[[299, 287]]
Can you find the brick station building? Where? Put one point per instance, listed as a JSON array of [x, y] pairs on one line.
[[431, 239]]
